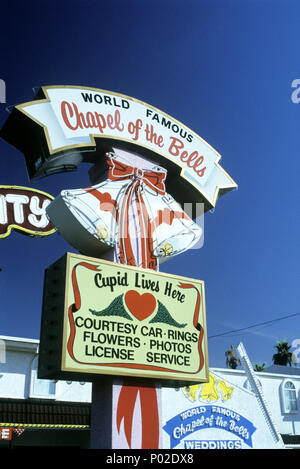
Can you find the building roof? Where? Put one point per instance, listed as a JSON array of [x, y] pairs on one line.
[[19, 343], [19, 339], [282, 370], [291, 439]]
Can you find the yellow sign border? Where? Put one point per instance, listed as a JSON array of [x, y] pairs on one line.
[[118, 371]]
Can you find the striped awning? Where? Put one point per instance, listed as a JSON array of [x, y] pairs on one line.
[[44, 415], [37, 426]]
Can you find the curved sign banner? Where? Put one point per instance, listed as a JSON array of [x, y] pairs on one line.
[[24, 209], [74, 124]]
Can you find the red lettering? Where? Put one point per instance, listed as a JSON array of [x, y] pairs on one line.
[[201, 171], [118, 125], [191, 158], [80, 117], [65, 106], [192, 161], [101, 124], [152, 136], [174, 147], [110, 121], [134, 128], [114, 122], [90, 118], [160, 141], [74, 119], [184, 156]]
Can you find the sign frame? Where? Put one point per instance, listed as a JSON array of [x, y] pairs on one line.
[[55, 332]]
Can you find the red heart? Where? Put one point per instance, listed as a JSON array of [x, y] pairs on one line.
[[141, 306]]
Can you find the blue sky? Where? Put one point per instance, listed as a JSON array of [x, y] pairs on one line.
[[223, 68]]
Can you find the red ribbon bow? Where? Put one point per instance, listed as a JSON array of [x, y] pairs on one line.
[[119, 171], [155, 180], [149, 414]]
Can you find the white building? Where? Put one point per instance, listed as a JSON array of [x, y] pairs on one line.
[[44, 412], [281, 389], [33, 405]]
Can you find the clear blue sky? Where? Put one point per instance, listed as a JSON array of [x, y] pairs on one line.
[[223, 68]]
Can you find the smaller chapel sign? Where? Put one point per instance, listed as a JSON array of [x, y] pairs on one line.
[[122, 320]]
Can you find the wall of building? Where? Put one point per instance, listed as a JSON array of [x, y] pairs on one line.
[[18, 376], [54, 413], [216, 415], [18, 380], [288, 422]]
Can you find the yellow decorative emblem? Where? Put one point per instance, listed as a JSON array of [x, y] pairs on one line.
[[209, 391], [166, 249], [226, 391], [212, 391], [102, 232], [191, 392]]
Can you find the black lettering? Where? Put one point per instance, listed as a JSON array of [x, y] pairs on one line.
[[183, 133], [98, 98], [107, 100], [97, 279], [115, 103], [87, 97], [136, 342], [79, 318], [125, 104], [166, 123], [87, 352], [137, 283], [110, 353], [105, 325], [168, 288], [149, 357]]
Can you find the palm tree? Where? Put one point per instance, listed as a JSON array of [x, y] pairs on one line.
[[231, 360], [283, 355], [259, 367]]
